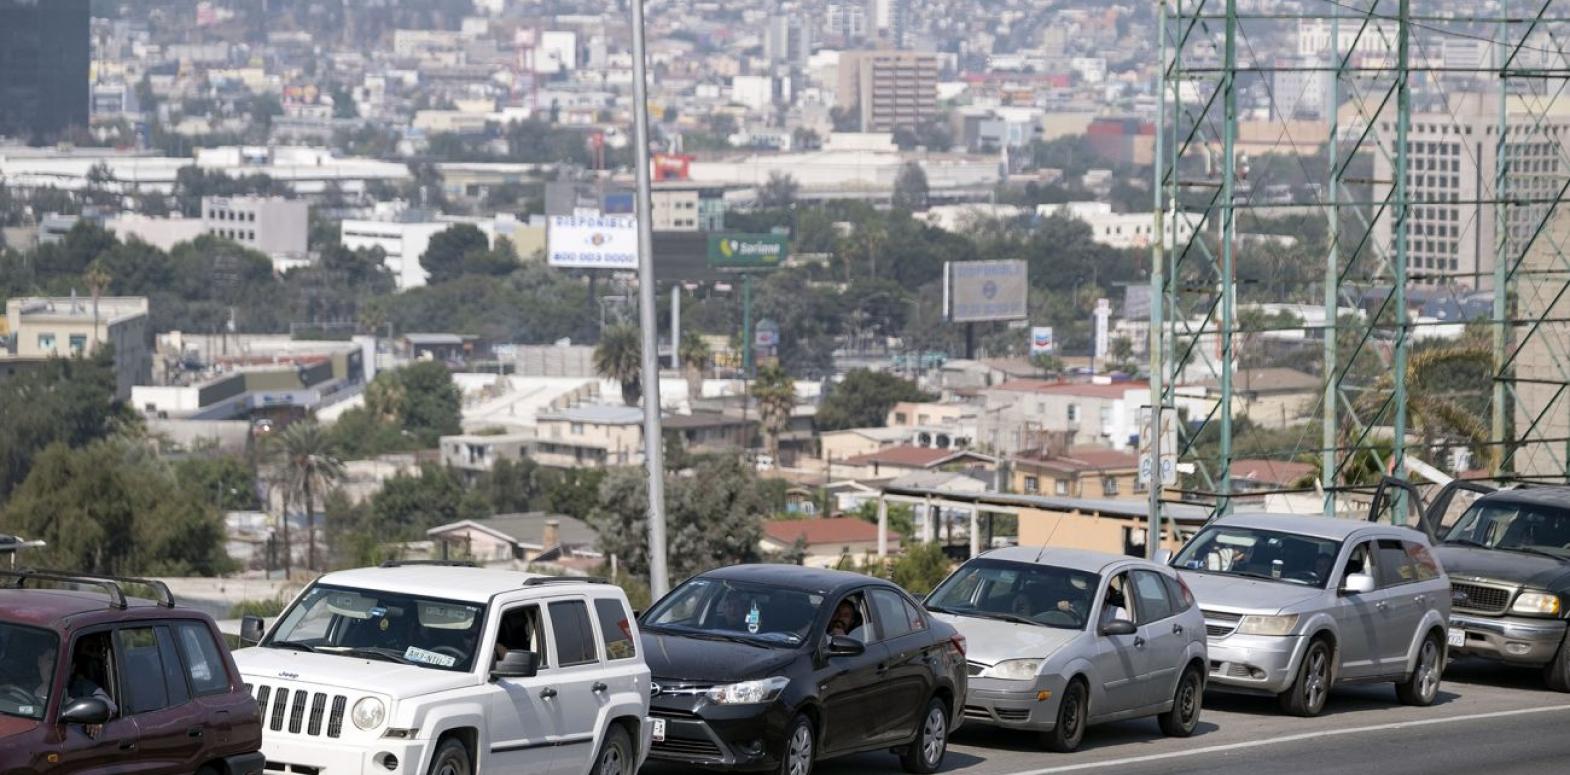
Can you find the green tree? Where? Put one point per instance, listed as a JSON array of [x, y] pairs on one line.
[[226, 481], [310, 467], [775, 393], [63, 400], [448, 253], [863, 400], [695, 356], [619, 357], [408, 505], [921, 568], [778, 192], [910, 188]]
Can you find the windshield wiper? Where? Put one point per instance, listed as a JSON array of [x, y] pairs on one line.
[[711, 635], [998, 615], [1536, 551], [385, 655], [1467, 542], [292, 644], [1253, 575]]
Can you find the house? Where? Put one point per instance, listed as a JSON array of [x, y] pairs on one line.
[[826, 540], [593, 436], [900, 460], [1077, 472], [533, 537], [1017, 414], [1273, 397], [711, 431], [853, 442], [478, 452], [1250, 475]]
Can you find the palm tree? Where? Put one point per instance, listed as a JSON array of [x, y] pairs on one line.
[[694, 354], [310, 465], [97, 278], [775, 393], [619, 357], [1433, 411]]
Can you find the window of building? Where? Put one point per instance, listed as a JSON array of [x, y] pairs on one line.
[[1060, 486], [1109, 485], [78, 344], [1032, 484], [46, 342], [577, 429], [1073, 412]]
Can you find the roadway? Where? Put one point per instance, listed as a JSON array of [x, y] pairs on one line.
[[1487, 719]]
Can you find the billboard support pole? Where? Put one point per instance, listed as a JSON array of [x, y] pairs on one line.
[[676, 327], [970, 341], [746, 325], [653, 440]]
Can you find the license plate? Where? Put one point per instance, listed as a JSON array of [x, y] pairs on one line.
[[1457, 638], [657, 729]]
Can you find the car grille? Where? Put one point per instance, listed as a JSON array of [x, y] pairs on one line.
[[974, 669], [977, 712], [302, 711], [1219, 624], [1480, 598], [1013, 715], [698, 749]]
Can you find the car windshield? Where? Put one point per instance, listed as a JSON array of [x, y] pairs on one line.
[[1018, 591], [27, 667], [1261, 554], [374, 624], [1520, 527], [724, 608]]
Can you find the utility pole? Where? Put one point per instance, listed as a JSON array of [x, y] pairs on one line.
[[653, 446]]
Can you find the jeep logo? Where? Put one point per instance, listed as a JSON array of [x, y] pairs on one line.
[[288, 675]]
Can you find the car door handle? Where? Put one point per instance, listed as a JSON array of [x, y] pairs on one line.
[[128, 745], [1177, 629], [1139, 642], [1381, 605], [194, 732], [547, 693], [598, 687]]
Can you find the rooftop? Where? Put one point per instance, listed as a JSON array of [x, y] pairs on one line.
[[110, 309], [1082, 459], [597, 414], [1282, 472], [831, 530], [1269, 381], [906, 456], [527, 528], [1064, 388]]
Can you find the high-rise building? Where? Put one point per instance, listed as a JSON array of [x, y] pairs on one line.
[[44, 56], [888, 90], [1451, 231], [1542, 405]]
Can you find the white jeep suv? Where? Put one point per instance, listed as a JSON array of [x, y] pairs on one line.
[[450, 669]]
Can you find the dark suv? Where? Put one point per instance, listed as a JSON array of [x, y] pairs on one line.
[[87, 683]]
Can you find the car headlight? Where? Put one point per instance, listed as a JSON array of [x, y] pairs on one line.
[[749, 692], [1014, 670], [368, 713], [1537, 604], [1267, 625]]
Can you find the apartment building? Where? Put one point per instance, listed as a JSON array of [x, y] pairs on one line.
[[888, 90], [590, 437], [61, 327], [273, 225]]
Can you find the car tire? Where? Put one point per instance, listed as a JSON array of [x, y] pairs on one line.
[[1073, 710], [926, 751], [1307, 695], [1557, 673], [615, 755], [801, 747], [451, 758], [1421, 688], [1183, 719]]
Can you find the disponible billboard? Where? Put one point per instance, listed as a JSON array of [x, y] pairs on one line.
[[975, 291], [592, 242]]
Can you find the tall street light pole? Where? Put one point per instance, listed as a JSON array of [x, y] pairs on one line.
[[653, 446]]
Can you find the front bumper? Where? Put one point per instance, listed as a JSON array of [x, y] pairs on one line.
[[1265, 664], [1014, 704], [1515, 640], [738, 737], [309, 756], [245, 764]]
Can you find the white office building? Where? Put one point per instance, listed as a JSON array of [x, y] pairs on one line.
[[273, 225]]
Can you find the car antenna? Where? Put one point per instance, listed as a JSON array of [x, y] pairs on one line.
[[1048, 539]]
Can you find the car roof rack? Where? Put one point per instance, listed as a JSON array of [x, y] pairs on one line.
[[110, 584], [439, 563], [539, 581]]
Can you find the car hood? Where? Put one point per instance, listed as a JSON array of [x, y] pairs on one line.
[[701, 660], [11, 726], [989, 641], [388, 679], [1509, 567], [1237, 594]]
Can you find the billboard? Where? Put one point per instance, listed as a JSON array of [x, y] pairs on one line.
[[592, 242], [1102, 314], [1041, 341], [748, 251], [976, 291]]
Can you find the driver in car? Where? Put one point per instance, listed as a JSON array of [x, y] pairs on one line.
[[845, 622]]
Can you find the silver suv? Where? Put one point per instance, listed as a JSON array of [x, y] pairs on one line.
[[1295, 605]]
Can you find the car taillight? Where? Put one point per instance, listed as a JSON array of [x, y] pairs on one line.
[[958, 642], [1188, 595]]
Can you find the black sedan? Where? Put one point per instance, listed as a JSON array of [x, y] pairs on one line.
[[772, 667]]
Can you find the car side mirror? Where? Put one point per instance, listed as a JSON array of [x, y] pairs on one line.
[[1357, 584], [1119, 627], [841, 646], [1164, 556], [86, 711], [517, 664], [251, 628]]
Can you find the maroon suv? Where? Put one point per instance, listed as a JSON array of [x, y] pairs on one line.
[[91, 681]]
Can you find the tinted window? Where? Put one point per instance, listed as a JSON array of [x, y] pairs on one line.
[[28, 657], [918, 620], [893, 620], [1260, 554], [1395, 567], [143, 670], [1044, 594], [773, 616], [1422, 560], [203, 661], [174, 672], [615, 629], [1150, 597], [573, 633]]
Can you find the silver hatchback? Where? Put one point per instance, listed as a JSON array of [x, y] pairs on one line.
[[1294, 605]]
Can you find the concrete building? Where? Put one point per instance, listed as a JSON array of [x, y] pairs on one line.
[[824, 541], [405, 234], [273, 225], [888, 90], [44, 57], [62, 327], [1078, 472], [507, 538], [1024, 414], [161, 233], [1542, 410], [1451, 236], [1120, 230], [590, 437]]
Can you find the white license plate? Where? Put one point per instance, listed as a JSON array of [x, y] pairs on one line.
[[1457, 638], [657, 729]]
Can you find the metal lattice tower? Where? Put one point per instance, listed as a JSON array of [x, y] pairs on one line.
[[1427, 139]]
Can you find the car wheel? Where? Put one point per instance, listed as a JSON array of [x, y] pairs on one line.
[[615, 756], [926, 752], [1183, 719], [1073, 710], [800, 748], [451, 759], [1307, 695], [1557, 673], [1422, 686]]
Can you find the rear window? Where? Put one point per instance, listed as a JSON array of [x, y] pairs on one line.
[[204, 663], [573, 633], [615, 629]]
